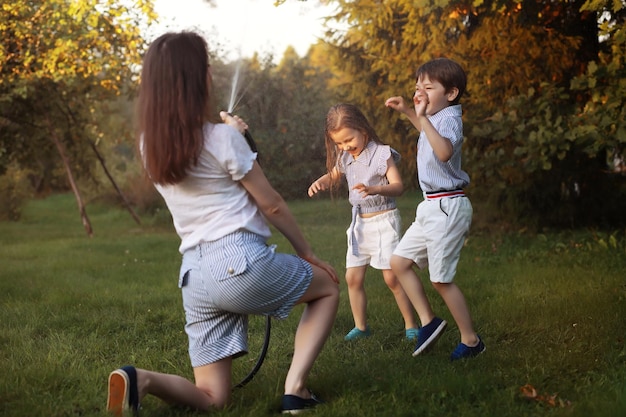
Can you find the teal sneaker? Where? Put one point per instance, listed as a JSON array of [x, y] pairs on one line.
[[411, 334], [357, 333]]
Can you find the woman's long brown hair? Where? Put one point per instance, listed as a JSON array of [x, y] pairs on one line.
[[173, 105]]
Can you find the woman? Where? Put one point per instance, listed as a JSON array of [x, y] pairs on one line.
[[220, 202]]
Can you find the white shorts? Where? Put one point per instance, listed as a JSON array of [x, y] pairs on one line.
[[437, 235], [377, 237]]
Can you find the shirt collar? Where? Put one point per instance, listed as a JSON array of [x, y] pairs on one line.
[[450, 111], [364, 158]]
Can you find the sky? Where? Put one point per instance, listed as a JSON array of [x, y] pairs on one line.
[[247, 26]]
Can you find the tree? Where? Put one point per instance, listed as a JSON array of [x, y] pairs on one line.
[[285, 104], [60, 60], [543, 76]]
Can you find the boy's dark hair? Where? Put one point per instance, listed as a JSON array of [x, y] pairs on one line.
[[445, 71]]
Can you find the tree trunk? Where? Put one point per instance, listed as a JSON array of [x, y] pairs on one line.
[[117, 189], [70, 176]]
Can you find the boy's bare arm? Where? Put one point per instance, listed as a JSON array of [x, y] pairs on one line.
[[442, 147]]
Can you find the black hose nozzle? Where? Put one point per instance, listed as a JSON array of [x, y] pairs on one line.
[[248, 136]]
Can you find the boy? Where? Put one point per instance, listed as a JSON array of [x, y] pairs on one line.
[[443, 219]]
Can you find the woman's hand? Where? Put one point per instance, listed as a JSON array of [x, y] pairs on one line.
[[314, 260], [234, 121]]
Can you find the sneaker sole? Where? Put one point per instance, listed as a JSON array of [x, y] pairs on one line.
[[433, 337], [119, 393]]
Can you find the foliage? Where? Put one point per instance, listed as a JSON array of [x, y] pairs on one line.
[[544, 109], [14, 192], [285, 104], [61, 62]]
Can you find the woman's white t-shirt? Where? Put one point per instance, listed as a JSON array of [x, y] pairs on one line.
[[210, 202]]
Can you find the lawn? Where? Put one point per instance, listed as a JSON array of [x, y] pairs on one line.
[[550, 307]]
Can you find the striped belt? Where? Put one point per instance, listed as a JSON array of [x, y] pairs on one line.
[[433, 195]]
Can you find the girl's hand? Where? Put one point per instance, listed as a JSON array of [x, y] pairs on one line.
[[316, 187], [364, 190], [314, 260], [234, 121]]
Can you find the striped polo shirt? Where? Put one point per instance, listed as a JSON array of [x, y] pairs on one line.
[[369, 168], [434, 175]]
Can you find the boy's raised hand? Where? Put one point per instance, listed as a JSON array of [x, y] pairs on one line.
[[397, 103], [421, 101]]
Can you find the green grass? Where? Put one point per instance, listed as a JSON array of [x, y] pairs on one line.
[[551, 309]]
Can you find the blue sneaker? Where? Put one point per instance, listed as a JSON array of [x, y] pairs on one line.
[[463, 351], [411, 334], [357, 333], [428, 334], [292, 404]]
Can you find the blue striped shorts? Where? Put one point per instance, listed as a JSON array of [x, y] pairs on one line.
[[224, 281]]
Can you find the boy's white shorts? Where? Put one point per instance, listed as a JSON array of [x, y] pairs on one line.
[[437, 235]]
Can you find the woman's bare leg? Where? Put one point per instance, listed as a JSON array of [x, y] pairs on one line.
[[322, 299], [212, 388]]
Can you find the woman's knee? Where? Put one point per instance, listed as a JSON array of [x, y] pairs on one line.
[[215, 381], [321, 286]]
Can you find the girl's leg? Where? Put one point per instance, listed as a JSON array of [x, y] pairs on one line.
[[355, 278], [404, 304], [212, 388], [322, 299], [455, 301], [412, 286]]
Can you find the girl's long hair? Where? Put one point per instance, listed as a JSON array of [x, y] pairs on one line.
[[342, 116], [173, 105]]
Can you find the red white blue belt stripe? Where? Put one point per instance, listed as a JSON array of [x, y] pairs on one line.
[[432, 195]]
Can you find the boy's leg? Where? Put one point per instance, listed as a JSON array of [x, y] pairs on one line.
[[412, 286], [455, 301]]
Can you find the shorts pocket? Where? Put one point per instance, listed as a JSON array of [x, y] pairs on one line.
[[229, 267]]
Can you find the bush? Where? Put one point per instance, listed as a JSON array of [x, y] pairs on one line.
[[15, 189]]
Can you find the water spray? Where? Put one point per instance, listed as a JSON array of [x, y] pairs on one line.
[[234, 101]]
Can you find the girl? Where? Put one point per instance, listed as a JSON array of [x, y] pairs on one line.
[[219, 200], [354, 150]]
